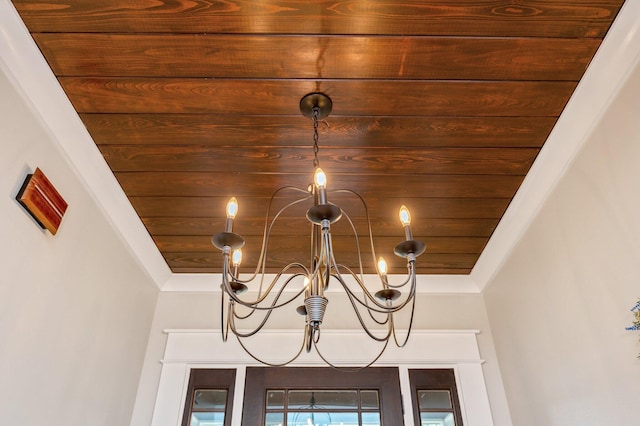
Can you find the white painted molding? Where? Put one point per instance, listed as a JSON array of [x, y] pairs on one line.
[[457, 349], [24, 65], [341, 347], [618, 55]]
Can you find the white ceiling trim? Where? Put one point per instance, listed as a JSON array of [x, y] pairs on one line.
[[618, 55], [22, 62]]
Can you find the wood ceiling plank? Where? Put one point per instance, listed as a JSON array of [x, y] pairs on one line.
[[358, 97], [249, 184], [388, 226], [341, 243], [260, 131], [337, 57], [423, 209], [279, 159], [211, 261], [562, 18]]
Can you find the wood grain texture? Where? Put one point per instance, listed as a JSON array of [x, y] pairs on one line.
[[283, 159], [357, 97], [421, 208], [342, 244], [562, 18], [353, 57], [211, 261], [442, 106], [255, 185], [265, 131], [387, 226]]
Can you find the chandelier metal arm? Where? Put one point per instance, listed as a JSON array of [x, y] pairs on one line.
[[369, 230], [225, 324], [361, 278], [351, 370], [232, 323], [270, 364], [406, 338], [260, 267], [256, 307], [368, 296], [269, 310], [379, 307], [364, 326], [256, 303], [371, 311], [355, 233], [370, 233]]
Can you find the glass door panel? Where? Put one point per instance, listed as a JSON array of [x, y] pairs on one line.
[[303, 407]]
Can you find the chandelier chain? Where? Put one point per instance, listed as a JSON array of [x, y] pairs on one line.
[[316, 162]]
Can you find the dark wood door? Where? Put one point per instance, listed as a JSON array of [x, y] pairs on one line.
[[385, 380]]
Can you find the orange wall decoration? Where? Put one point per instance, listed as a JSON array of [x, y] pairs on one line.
[[42, 201]]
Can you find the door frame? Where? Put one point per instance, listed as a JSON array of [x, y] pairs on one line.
[[386, 380]]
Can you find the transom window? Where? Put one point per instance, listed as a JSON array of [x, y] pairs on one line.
[[345, 407], [208, 407], [435, 398], [435, 408], [209, 397]]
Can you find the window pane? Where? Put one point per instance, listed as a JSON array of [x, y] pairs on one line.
[[434, 400], [210, 399], [207, 419], [323, 400], [370, 419], [437, 419], [322, 419], [369, 399], [275, 399], [274, 419]]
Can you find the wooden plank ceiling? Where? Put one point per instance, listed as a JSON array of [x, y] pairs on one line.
[[441, 105]]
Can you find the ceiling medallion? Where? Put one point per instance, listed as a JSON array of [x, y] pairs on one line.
[[309, 282]]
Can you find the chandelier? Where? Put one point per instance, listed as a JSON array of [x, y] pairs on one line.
[[308, 283]]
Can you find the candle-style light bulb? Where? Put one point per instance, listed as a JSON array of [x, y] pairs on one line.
[[321, 182], [236, 258], [405, 218], [320, 178], [232, 211], [382, 266], [232, 208]]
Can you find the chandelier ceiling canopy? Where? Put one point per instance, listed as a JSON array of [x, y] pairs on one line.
[[308, 282]]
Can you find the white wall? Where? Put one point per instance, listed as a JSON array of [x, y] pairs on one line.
[[177, 310], [75, 308], [559, 305]]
